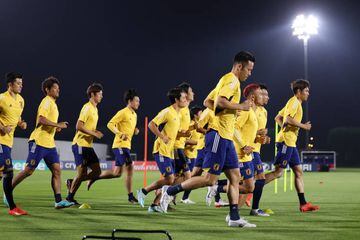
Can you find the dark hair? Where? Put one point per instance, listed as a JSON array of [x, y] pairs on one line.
[[129, 95], [244, 57], [263, 86], [249, 89], [12, 76], [194, 110], [94, 88], [299, 84], [184, 86], [48, 83], [175, 93]]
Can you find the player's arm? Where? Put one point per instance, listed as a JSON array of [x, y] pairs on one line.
[[190, 142], [279, 120], [224, 103], [113, 125], [154, 128], [46, 122], [22, 124], [5, 129], [80, 126], [291, 121]]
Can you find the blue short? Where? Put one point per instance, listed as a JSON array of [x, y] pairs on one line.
[[37, 153], [5, 158], [165, 164], [220, 153], [246, 170], [191, 163], [258, 166], [84, 156], [286, 155], [122, 156], [200, 158], [181, 162]]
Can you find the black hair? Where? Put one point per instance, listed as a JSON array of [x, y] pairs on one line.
[[184, 86], [12, 76], [263, 86], [175, 93], [130, 95], [48, 83], [94, 88], [244, 57], [299, 84], [194, 110]]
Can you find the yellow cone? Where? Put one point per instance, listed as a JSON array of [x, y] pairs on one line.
[[85, 206]]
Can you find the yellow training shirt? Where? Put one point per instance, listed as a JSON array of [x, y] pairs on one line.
[[261, 115], [124, 122], [246, 127], [184, 126], [10, 115], [293, 109], [191, 150], [89, 116], [44, 135], [228, 87], [171, 118]]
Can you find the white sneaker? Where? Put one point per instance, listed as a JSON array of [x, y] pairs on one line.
[[221, 203], [210, 194], [227, 218], [187, 201], [165, 199], [141, 197], [241, 223], [153, 209]]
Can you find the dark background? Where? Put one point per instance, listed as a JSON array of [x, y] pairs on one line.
[[154, 45]]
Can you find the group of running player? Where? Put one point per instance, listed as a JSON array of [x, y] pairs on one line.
[[193, 146]]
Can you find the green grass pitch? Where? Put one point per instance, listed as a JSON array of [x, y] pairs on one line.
[[337, 193]]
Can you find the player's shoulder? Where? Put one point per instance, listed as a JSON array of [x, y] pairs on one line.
[[293, 103]]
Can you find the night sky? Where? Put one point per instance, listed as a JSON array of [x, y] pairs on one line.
[[155, 45]]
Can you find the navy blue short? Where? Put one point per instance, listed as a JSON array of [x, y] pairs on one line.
[[200, 158], [220, 153], [5, 158], [258, 165], [246, 170], [181, 162], [122, 156], [37, 153], [165, 164], [286, 155], [191, 163], [84, 156]]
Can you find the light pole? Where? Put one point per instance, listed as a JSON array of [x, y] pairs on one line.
[[303, 27]]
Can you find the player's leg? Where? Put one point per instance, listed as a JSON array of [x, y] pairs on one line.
[[81, 171], [281, 160], [129, 182]]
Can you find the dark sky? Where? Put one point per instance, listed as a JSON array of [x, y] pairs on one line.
[[154, 45]]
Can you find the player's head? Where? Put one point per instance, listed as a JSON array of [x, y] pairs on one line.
[[51, 87], [265, 94], [195, 112], [188, 90], [252, 92], [14, 82], [301, 89], [132, 99], [243, 65], [95, 92], [177, 96]]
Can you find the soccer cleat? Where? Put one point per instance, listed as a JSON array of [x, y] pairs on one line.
[[133, 200], [241, 223], [258, 212], [210, 194], [73, 201], [155, 208], [187, 201], [248, 199], [141, 197], [308, 207], [269, 211], [5, 201], [68, 184], [165, 199], [221, 203], [63, 204], [17, 212], [241, 220]]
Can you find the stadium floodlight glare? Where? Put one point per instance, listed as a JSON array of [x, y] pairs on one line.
[[303, 27]]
